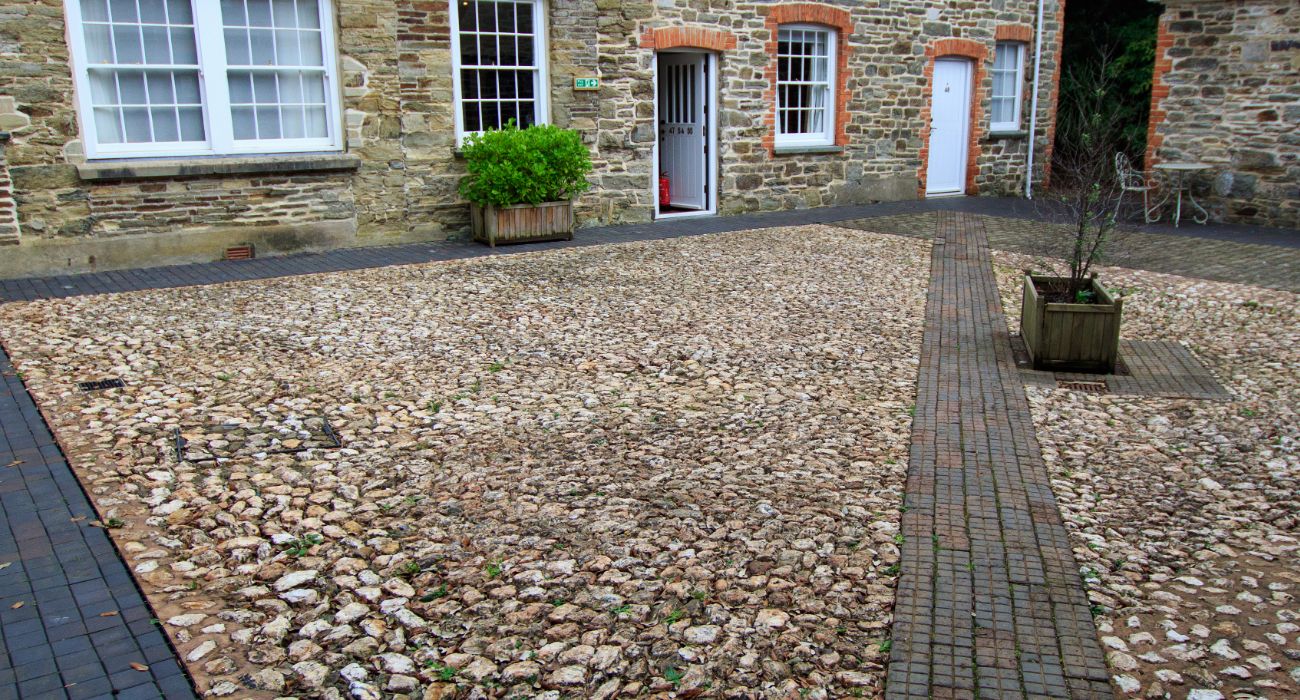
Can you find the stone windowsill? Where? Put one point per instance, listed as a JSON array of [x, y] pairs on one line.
[[796, 150], [996, 135], [140, 168]]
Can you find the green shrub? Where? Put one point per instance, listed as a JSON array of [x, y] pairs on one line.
[[524, 166]]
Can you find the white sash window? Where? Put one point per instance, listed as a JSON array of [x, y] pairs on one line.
[[204, 77], [499, 64], [805, 79], [1008, 86]]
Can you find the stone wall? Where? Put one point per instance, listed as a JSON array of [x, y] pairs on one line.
[[1227, 92], [394, 59]]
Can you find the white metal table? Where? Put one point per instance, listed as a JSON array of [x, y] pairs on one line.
[[1181, 175]]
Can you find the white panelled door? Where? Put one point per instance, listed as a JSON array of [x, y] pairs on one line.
[[949, 127], [682, 127]]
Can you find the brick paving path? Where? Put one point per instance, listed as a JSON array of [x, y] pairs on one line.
[[60, 575], [1264, 260], [989, 600]]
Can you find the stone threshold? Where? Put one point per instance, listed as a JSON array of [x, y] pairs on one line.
[[136, 169]]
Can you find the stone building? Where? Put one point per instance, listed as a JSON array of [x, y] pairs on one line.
[[153, 131], [1226, 93]]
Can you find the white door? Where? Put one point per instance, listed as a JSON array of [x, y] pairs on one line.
[[949, 127], [682, 127]]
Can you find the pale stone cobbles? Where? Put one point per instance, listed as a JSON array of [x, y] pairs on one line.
[[664, 466]]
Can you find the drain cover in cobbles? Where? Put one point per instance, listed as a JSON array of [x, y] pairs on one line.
[[1089, 387], [100, 385]]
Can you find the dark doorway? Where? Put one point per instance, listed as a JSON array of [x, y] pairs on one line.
[[1117, 38]]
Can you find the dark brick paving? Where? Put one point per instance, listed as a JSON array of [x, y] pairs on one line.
[[1008, 209], [989, 601], [65, 574], [1267, 259]]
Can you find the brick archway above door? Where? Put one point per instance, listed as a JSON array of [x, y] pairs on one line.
[[689, 38]]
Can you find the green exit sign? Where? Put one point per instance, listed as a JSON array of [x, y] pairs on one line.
[[586, 83]]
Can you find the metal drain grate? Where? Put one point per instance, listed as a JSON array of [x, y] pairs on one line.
[[1087, 387], [101, 385], [239, 252]]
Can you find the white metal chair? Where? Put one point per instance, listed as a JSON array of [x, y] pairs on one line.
[[1130, 180]]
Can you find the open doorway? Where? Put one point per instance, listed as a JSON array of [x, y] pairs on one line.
[[685, 150]]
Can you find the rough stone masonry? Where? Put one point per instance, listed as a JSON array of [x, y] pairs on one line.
[[1226, 92], [396, 179]]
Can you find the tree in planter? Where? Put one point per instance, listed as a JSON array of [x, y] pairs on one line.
[[524, 166], [1071, 322], [1085, 188]]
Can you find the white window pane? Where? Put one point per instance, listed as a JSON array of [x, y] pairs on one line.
[[153, 11], [94, 10], [123, 10], [259, 13], [237, 47], [244, 122], [291, 87], [103, 87], [286, 48], [180, 12], [268, 122], [316, 124], [264, 88], [183, 49], [262, 43], [165, 128], [136, 121], [284, 13], [313, 54], [1001, 110], [99, 47], [187, 87], [232, 13], [160, 88], [314, 88], [156, 49], [108, 126], [292, 122], [191, 123], [131, 87], [126, 39], [308, 14], [241, 87]]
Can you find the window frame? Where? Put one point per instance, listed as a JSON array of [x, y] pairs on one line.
[[541, 54], [214, 94], [827, 136], [1018, 98]]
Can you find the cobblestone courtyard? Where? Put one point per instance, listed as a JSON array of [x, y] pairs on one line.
[[690, 467]]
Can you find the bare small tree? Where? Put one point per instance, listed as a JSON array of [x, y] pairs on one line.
[[1085, 187]]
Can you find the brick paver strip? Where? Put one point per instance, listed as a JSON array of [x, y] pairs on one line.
[[989, 601], [62, 577]]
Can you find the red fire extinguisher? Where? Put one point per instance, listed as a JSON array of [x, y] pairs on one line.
[[664, 197]]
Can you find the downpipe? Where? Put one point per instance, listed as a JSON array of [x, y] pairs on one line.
[[1033, 109]]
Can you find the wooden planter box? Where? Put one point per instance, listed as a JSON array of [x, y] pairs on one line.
[[1077, 337], [522, 223]]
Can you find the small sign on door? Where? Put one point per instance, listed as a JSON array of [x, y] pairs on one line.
[[586, 83]]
